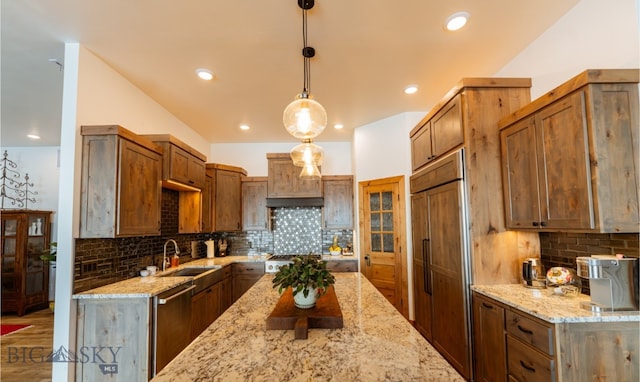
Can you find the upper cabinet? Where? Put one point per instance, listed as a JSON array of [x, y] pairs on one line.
[[284, 180], [255, 214], [437, 134], [338, 202], [183, 167], [569, 157], [121, 187], [225, 197]]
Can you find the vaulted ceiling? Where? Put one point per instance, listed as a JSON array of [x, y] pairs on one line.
[[366, 53]]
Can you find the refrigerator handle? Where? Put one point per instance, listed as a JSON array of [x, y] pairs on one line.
[[426, 260]]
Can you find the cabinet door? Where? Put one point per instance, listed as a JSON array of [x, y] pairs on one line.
[[489, 340], [207, 190], [254, 205], [196, 171], [11, 275], [421, 151], [179, 164], [139, 190], [565, 180], [228, 201], [445, 260], [422, 284], [338, 203], [226, 294], [284, 181], [520, 175], [446, 128]]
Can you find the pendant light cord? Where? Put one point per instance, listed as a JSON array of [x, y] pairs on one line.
[[306, 87]]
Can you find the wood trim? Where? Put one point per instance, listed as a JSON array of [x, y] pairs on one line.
[[472, 83], [337, 177], [591, 76], [175, 141], [218, 166], [123, 133], [254, 179], [278, 155]]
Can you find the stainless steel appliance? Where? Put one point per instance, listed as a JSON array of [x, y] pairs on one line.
[[613, 282], [274, 262], [171, 325], [533, 275]]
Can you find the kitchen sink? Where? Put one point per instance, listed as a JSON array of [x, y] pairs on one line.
[[203, 277]]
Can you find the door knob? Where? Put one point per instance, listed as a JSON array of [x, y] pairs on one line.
[[368, 259]]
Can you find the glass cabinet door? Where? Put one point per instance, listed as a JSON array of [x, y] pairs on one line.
[[9, 243]]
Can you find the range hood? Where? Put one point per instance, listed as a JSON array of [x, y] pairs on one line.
[[295, 202]]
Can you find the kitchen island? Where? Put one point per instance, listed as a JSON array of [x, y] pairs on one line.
[[376, 343]]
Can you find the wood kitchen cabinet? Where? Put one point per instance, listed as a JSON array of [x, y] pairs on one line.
[[226, 289], [183, 167], [284, 180], [205, 308], [490, 345], [513, 345], [244, 276], [437, 133], [568, 158], [25, 277], [255, 214], [121, 188], [338, 202], [225, 197]]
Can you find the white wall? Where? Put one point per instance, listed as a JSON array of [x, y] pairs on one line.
[[595, 34], [41, 163], [253, 156]]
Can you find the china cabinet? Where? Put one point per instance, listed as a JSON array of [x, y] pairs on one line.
[[25, 277]]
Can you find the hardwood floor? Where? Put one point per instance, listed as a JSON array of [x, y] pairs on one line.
[[24, 352]]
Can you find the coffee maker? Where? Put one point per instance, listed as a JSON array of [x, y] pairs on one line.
[[612, 281]]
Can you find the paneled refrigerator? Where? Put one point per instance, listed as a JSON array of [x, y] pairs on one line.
[[441, 260]]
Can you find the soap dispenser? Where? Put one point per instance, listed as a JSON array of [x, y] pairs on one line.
[[175, 260]]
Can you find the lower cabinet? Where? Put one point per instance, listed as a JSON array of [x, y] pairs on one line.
[[244, 276], [226, 290], [205, 308], [511, 345], [342, 265]]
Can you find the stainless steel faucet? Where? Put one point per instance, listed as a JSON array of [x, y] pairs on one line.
[[164, 254]]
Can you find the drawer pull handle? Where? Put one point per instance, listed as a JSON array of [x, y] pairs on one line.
[[487, 305], [531, 369], [527, 331]]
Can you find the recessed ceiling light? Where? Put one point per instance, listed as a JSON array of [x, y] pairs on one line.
[[33, 136], [205, 74], [245, 127], [457, 21], [411, 89], [338, 126]]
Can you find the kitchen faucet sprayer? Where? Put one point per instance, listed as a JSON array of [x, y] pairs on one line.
[[164, 254]]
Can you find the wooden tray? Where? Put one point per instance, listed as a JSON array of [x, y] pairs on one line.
[[325, 315]]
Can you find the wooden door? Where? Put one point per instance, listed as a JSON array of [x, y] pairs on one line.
[[489, 340], [338, 202], [140, 191], [421, 284], [228, 201], [254, 204], [564, 172], [382, 222], [446, 266], [520, 175]]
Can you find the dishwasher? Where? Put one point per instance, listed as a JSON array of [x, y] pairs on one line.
[[171, 324]]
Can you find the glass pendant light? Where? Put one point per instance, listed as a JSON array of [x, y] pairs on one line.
[[307, 152], [310, 171], [305, 118]]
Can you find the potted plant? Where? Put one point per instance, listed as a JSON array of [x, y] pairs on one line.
[[50, 253], [308, 278]]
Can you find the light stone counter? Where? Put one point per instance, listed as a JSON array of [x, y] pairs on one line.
[[153, 285], [375, 344], [542, 303]]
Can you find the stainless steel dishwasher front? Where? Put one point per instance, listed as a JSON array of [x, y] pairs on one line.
[[171, 324]]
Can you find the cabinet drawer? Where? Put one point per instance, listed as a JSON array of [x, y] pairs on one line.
[[526, 364], [531, 332], [342, 266], [248, 269]]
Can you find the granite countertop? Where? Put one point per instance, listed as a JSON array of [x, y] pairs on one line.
[[376, 343], [153, 285], [542, 303]]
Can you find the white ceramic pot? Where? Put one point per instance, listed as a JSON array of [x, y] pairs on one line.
[[305, 302]]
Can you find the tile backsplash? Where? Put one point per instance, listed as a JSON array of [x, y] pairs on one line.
[[100, 262]]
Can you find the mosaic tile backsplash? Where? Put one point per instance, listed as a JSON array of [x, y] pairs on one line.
[[297, 230]]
